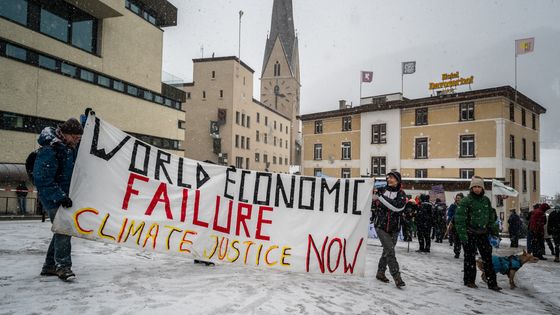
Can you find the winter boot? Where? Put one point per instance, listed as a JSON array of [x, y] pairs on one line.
[[495, 288], [557, 259], [48, 271], [65, 273], [399, 282], [471, 285], [381, 277]]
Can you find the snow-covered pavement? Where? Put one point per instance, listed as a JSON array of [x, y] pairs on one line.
[[118, 280]]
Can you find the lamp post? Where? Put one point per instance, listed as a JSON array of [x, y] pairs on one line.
[[239, 44]]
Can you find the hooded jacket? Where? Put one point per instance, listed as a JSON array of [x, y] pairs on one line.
[[425, 214], [554, 223], [538, 220], [53, 168]]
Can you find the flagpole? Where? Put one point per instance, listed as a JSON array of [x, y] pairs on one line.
[[402, 83], [516, 73], [361, 82]]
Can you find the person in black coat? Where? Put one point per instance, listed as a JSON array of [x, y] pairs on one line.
[[439, 220], [514, 228], [389, 202], [553, 229], [424, 223]]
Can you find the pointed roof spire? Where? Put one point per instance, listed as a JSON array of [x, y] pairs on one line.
[[282, 26]]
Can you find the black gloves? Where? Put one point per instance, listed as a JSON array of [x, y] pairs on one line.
[[66, 202]]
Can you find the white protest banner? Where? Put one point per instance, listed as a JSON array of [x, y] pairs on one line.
[[130, 193]]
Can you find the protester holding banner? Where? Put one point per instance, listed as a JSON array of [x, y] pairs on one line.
[[475, 220], [53, 169], [389, 202]]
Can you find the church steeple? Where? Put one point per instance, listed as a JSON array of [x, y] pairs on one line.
[[282, 27]]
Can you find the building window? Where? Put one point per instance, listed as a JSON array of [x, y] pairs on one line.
[[15, 10], [274, 141], [237, 115], [274, 159], [534, 151], [248, 121], [287, 129], [47, 63], [86, 75], [421, 148], [181, 124], [257, 136], [237, 141], [534, 121], [346, 123], [318, 151], [512, 177], [275, 125], [511, 112], [534, 180], [203, 94], [466, 111], [67, 69], [213, 74], [286, 161], [16, 52], [524, 148], [317, 172], [258, 117], [524, 180], [523, 120], [221, 93], [102, 80], [188, 95], [379, 133], [243, 120], [239, 162], [242, 142], [466, 173], [118, 86], [132, 90], [277, 69], [265, 137], [378, 165], [148, 96], [247, 163], [421, 173], [346, 151], [257, 157], [345, 173], [280, 142], [318, 126], [266, 120], [512, 146], [467, 146], [421, 116], [265, 159], [248, 143], [280, 160]]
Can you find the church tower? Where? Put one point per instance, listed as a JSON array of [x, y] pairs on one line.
[[280, 85]]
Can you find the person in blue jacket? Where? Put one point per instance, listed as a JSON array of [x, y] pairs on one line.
[[52, 173]]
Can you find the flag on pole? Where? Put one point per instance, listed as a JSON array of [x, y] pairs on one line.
[[367, 76], [523, 46], [408, 67]]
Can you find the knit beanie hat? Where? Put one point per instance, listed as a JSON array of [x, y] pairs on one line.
[[477, 181], [395, 174], [71, 127]]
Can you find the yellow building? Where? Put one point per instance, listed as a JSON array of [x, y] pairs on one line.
[[59, 57], [226, 125], [493, 133], [331, 142]]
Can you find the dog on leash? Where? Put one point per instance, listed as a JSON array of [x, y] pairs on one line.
[[507, 265]]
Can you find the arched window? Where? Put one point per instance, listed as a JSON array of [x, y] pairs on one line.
[[277, 69]]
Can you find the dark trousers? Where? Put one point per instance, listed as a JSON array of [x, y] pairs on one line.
[[424, 237], [537, 245], [529, 242], [556, 239], [481, 243], [456, 242], [59, 252], [388, 241], [514, 237]]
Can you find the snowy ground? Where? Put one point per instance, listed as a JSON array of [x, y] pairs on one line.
[[116, 280]]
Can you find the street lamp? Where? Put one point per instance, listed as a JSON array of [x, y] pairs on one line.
[[239, 45]]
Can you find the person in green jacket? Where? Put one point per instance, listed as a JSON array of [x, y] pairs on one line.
[[475, 221]]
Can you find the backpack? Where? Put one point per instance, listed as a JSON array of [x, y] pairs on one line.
[[30, 164]]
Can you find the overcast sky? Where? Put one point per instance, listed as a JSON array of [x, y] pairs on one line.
[[338, 39]]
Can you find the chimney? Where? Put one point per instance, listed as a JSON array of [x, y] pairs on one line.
[[342, 104]]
